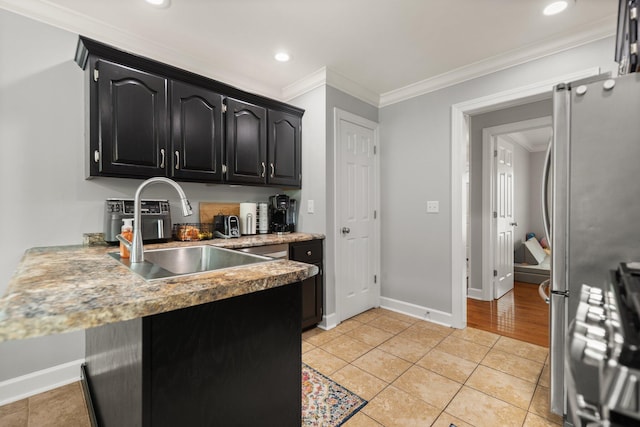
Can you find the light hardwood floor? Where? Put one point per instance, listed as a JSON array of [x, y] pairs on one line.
[[520, 314]]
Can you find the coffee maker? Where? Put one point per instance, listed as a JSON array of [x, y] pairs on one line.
[[282, 211]]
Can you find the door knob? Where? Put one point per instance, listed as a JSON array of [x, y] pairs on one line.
[[346, 230]]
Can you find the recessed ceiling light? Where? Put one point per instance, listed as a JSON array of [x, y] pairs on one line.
[[159, 3], [555, 7], [282, 57]]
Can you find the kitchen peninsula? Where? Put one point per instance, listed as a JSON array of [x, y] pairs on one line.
[[216, 348]]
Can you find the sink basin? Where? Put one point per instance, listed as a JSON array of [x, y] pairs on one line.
[[172, 262]]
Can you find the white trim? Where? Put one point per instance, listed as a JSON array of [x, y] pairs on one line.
[[488, 224], [475, 294], [596, 31], [329, 321], [40, 381], [417, 311], [326, 76], [459, 144], [305, 84], [339, 115]]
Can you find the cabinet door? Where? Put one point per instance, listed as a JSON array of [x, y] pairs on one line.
[[196, 133], [246, 141], [132, 114], [284, 149], [312, 294], [313, 287]]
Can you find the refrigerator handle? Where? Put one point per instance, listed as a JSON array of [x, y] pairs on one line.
[[542, 290], [545, 193]]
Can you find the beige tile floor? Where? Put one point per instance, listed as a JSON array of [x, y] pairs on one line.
[[416, 373], [412, 372]]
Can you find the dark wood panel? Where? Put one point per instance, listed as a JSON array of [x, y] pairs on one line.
[[196, 133], [114, 368], [132, 112], [520, 314], [87, 47], [233, 362], [246, 142], [284, 144]]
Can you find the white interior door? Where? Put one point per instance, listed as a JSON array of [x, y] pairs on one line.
[[356, 265], [504, 219]]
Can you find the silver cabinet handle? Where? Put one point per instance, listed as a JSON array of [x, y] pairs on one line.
[[177, 159], [264, 169], [542, 292], [515, 224], [273, 170], [346, 230], [309, 253], [96, 156], [162, 157]]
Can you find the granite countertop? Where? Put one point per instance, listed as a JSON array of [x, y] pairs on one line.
[[65, 288]]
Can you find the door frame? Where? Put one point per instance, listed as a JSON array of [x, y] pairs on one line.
[[338, 115], [490, 136], [460, 128]]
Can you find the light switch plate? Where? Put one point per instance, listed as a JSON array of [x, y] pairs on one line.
[[310, 206], [433, 206]]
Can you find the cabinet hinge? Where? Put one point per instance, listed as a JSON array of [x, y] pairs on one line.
[[495, 273], [224, 169], [495, 214], [224, 108], [96, 74], [375, 214], [495, 153], [375, 278], [375, 149]]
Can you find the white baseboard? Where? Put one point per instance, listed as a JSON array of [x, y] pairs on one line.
[[417, 311], [475, 293], [39, 381], [329, 321]]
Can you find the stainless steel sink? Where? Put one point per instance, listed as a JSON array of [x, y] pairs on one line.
[[172, 262]]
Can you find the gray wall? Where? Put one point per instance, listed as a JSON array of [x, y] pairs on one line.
[[416, 159], [46, 200], [536, 165], [521, 198], [478, 123]]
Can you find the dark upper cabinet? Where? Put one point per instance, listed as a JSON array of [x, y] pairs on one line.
[[313, 287], [284, 149], [150, 119], [246, 141], [129, 122], [196, 133]]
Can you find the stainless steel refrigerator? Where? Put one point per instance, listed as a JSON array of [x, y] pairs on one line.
[[594, 210]]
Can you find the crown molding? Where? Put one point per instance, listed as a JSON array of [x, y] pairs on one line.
[[305, 84], [326, 76], [600, 30]]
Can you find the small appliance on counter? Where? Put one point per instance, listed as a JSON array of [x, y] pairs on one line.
[[263, 218], [282, 211], [226, 226], [248, 218], [156, 219]]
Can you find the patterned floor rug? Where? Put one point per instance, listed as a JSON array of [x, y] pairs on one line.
[[324, 402]]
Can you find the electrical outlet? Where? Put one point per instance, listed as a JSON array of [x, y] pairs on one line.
[[433, 206], [310, 206]]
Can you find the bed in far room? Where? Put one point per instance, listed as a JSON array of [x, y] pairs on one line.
[[532, 262]]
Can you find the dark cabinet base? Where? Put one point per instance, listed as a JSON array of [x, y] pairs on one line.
[[235, 362]]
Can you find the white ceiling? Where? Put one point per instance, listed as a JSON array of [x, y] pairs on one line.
[[379, 46], [532, 139]]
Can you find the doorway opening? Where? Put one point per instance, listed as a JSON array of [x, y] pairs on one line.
[[462, 114]]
